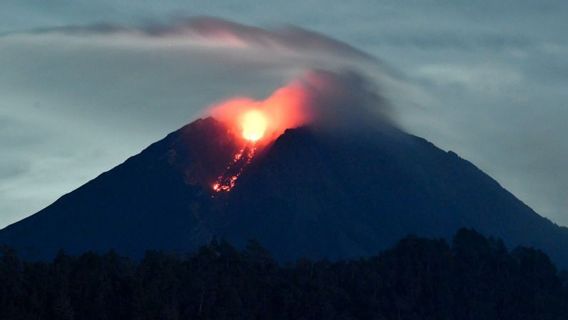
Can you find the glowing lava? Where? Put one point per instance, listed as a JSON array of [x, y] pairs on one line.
[[254, 124], [262, 121], [257, 123], [234, 169]]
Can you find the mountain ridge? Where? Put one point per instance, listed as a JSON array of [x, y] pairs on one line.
[[309, 193]]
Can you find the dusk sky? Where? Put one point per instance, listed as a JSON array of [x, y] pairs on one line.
[[86, 84]]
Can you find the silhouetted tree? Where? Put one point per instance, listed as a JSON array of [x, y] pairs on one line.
[[474, 278]]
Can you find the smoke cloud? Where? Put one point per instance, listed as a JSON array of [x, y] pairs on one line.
[[328, 100]]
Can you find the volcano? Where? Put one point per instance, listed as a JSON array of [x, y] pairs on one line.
[[309, 193]]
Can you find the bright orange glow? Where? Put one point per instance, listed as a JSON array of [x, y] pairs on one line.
[[227, 181], [254, 125], [262, 121], [259, 122]]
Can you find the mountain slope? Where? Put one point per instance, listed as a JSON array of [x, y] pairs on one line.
[[343, 198], [310, 193], [146, 202]]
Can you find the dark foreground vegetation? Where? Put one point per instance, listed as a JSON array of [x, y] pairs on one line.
[[473, 278]]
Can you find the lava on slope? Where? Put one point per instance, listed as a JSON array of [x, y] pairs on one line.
[[228, 180], [258, 123], [326, 100]]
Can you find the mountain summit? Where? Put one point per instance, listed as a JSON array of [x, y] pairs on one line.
[[309, 193]]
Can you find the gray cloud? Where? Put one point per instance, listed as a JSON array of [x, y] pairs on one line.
[[293, 38], [290, 37]]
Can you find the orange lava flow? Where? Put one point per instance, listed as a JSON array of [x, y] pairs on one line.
[[257, 123], [227, 181]]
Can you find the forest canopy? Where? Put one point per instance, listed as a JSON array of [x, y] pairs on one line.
[[473, 277]]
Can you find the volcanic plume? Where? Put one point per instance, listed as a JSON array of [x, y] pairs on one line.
[[328, 100]]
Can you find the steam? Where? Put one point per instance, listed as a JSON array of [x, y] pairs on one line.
[[345, 99]]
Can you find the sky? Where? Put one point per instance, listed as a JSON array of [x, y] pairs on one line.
[[86, 84]]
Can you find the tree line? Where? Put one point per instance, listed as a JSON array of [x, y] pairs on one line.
[[472, 277]]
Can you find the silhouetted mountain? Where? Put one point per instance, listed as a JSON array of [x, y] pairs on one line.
[[310, 193]]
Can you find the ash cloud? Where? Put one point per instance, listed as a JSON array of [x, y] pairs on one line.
[[346, 99]]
